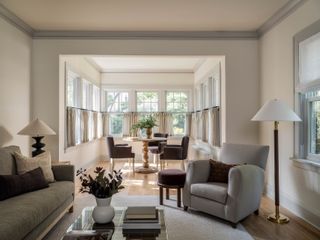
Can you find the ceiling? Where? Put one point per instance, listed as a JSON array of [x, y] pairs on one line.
[[145, 15], [147, 63]]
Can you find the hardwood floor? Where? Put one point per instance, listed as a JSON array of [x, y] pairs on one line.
[[258, 226]]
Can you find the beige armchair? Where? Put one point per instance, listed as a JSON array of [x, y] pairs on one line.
[[237, 199]]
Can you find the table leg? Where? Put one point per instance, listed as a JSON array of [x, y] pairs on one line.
[[145, 155]]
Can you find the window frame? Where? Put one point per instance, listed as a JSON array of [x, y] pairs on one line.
[[147, 90], [302, 131]]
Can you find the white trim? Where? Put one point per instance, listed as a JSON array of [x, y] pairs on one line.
[[306, 164]]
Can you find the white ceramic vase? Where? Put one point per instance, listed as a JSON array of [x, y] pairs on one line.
[[103, 212]]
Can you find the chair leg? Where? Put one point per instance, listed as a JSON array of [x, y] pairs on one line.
[[167, 193], [256, 212], [185, 208], [161, 195], [133, 165], [179, 197]]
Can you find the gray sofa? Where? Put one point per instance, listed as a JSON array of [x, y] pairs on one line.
[[236, 199], [32, 215]]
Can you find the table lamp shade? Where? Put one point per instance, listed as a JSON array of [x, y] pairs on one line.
[[37, 128], [276, 110]]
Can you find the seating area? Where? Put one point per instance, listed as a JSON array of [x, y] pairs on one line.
[[167, 120]]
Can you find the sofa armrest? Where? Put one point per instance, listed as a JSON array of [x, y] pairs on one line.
[[245, 188], [63, 172], [197, 172]]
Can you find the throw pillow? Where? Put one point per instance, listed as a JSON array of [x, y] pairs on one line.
[[219, 171], [13, 185], [43, 160]]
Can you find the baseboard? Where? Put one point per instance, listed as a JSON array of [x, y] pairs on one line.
[[312, 217]]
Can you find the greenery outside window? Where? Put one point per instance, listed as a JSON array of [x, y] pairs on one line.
[[177, 103], [116, 124], [147, 101], [117, 101]]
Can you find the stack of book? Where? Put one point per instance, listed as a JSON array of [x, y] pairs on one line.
[[141, 220]]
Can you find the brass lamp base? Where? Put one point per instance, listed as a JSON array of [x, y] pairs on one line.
[[281, 219]]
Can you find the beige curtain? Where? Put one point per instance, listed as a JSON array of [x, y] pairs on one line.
[[199, 121], [71, 127], [100, 125], [188, 124], [205, 125], [165, 122], [194, 126], [129, 119], [105, 124], [95, 125], [214, 127], [84, 126]]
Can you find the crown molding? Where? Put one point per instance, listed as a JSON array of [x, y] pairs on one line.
[[171, 35], [9, 16], [280, 15]]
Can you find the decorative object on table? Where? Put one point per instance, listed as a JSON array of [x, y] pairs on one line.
[[147, 122], [37, 129], [276, 111], [103, 186]]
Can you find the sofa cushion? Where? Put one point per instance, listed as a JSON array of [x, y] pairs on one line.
[[21, 214], [42, 160], [13, 185], [214, 191], [219, 171], [7, 161]]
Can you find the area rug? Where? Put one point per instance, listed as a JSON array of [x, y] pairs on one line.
[[181, 225]]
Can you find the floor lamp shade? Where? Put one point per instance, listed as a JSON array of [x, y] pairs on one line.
[[37, 129], [276, 111]]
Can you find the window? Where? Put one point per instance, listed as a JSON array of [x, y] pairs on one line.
[[86, 94], [115, 124], [177, 102], [147, 101], [73, 91], [116, 101], [95, 98], [307, 65]]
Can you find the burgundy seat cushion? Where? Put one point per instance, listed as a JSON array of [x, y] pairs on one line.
[[171, 177]]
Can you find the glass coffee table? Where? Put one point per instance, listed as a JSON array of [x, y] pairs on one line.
[[84, 228]]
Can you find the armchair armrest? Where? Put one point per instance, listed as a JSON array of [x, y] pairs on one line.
[[63, 172], [121, 145], [245, 188], [197, 172]]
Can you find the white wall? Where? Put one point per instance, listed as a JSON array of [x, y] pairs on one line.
[[242, 74], [84, 154], [300, 188], [15, 70]]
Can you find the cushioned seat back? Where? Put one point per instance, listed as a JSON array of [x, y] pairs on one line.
[[241, 153], [110, 143], [185, 145], [7, 161]]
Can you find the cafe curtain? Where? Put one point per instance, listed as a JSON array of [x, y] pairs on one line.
[[71, 124], [105, 124]]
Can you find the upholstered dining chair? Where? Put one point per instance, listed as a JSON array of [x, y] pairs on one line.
[[119, 151], [156, 148], [235, 200], [175, 152]]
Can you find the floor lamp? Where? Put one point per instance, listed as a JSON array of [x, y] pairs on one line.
[[37, 129], [276, 111]]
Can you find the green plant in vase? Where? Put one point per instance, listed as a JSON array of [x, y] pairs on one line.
[[147, 122]]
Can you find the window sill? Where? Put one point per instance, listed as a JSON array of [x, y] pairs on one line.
[[309, 165]]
